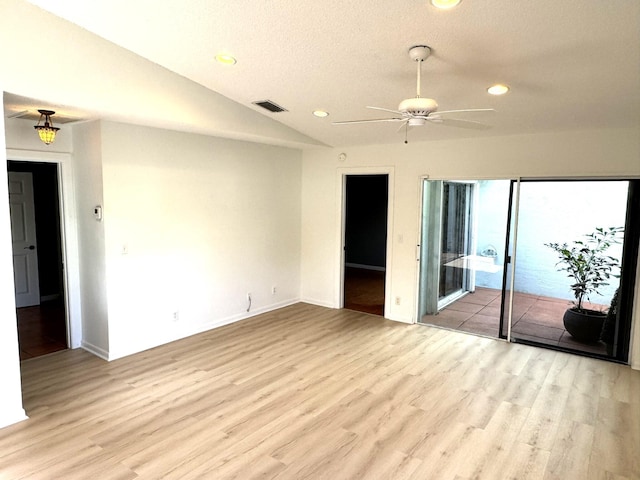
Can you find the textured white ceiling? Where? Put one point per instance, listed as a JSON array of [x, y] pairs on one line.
[[571, 64]]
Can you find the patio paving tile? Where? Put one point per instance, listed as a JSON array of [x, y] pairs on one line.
[[535, 318], [523, 302], [491, 311], [569, 342], [535, 330], [548, 318], [481, 297], [481, 324], [448, 318], [526, 297], [461, 306]]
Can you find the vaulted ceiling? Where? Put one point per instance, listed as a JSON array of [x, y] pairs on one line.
[[570, 64]]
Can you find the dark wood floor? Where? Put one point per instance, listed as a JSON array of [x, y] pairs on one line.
[[364, 290], [41, 329]]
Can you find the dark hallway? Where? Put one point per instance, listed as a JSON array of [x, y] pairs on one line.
[[41, 329]]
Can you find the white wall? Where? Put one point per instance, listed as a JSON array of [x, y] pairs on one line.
[[204, 221], [11, 399], [87, 156], [614, 152]]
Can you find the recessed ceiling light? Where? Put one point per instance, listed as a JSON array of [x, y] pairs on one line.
[[498, 89], [225, 59], [445, 4], [320, 113]]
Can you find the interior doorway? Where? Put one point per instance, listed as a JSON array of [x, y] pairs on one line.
[[365, 242], [34, 200]]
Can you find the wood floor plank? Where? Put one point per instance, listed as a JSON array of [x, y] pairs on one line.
[[310, 392], [566, 458]]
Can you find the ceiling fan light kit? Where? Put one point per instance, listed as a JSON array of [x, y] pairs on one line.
[[225, 59], [498, 89], [445, 4], [418, 111]]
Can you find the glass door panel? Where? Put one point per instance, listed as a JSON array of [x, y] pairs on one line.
[[455, 241], [572, 215], [462, 254]]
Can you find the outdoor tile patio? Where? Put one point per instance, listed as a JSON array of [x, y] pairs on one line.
[[535, 318]]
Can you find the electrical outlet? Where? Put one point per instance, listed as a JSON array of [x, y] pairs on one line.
[[397, 300], [248, 297], [273, 290], [176, 316]]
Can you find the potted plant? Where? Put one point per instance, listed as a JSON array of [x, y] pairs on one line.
[[587, 264]]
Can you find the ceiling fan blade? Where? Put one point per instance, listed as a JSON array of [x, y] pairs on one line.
[[386, 110], [464, 111], [347, 122], [454, 122]]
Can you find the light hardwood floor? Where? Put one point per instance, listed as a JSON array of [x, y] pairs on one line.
[[309, 392]]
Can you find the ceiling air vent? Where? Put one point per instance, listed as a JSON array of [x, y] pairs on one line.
[[269, 105]]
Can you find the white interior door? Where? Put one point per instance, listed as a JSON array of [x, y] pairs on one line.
[[23, 234]]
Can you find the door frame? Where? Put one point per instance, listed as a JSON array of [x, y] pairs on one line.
[[342, 173], [625, 353], [68, 235], [420, 224]]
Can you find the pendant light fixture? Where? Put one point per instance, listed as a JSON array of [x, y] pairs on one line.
[[47, 132]]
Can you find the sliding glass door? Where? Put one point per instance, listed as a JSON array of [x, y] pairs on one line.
[[462, 254], [575, 256], [493, 260]]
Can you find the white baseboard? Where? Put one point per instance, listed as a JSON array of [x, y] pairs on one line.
[[114, 355], [319, 303], [97, 351], [9, 419]]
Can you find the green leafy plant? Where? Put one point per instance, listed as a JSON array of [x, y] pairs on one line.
[[587, 264]]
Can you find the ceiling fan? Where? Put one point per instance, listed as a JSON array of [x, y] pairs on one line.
[[417, 111]]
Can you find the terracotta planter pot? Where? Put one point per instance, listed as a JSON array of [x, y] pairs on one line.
[[584, 326]]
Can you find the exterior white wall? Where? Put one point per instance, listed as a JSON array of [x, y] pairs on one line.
[[203, 221], [491, 219], [546, 216], [11, 410], [596, 153]]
